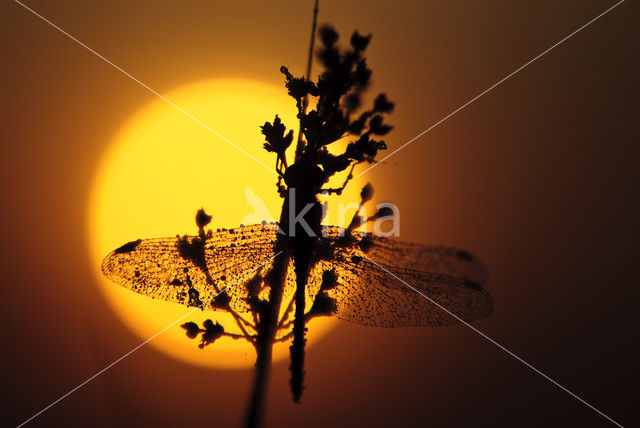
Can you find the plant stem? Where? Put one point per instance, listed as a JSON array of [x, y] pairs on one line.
[[268, 322], [268, 326], [305, 103]]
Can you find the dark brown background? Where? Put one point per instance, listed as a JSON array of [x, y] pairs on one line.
[[539, 178]]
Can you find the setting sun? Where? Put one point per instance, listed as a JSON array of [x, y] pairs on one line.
[[161, 167]]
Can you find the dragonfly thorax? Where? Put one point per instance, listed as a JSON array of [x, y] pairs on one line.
[[302, 213]]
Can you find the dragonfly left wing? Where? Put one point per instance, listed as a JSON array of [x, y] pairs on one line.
[[158, 269]]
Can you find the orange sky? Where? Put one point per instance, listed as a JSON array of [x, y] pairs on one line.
[[539, 178]]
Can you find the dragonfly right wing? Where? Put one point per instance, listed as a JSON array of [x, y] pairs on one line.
[[371, 294], [428, 258]]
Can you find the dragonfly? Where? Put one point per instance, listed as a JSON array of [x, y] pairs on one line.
[[364, 281], [273, 278]]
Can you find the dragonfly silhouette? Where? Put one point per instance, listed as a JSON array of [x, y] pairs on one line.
[[299, 269]]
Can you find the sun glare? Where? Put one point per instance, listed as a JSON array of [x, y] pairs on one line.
[[161, 167]]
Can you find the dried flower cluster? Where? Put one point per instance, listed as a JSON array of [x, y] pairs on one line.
[[338, 95]]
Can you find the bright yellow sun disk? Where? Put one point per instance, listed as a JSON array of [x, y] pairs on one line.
[[161, 167]]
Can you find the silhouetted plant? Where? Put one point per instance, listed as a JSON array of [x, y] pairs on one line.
[[336, 115], [338, 96], [183, 269]]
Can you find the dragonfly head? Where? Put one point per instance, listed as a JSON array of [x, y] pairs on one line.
[[305, 175]]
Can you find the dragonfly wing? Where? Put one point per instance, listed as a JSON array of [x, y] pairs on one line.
[[374, 293], [428, 258], [156, 268]]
